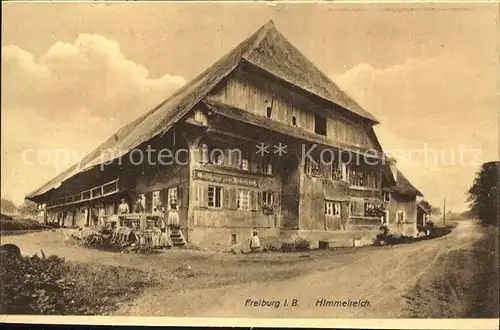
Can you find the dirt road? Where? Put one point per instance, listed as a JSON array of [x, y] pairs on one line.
[[378, 278], [220, 284]]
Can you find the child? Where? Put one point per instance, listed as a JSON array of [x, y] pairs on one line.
[[255, 242]]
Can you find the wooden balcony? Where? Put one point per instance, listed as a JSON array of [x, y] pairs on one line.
[[107, 189]]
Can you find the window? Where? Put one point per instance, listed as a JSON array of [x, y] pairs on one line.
[[374, 210], [336, 171], [217, 156], [267, 167], [234, 239], [332, 208], [311, 167], [363, 179], [244, 164], [387, 196], [243, 201], [171, 197], [214, 196], [199, 116], [267, 199], [400, 217], [157, 203], [319, 125], [294, 121]]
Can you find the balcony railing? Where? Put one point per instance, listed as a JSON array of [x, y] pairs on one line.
[[103, 190]]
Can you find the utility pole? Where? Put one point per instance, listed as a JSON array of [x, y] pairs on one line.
[[444, 211]]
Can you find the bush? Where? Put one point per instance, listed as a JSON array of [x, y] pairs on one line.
[[31, 285], [19, 224], [53, 286], [300, 244]]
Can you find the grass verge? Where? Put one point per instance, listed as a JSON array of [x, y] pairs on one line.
[[54, 286], [462, 283]]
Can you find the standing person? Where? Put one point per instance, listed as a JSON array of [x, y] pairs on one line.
[[165, 240], [255, 241], [173, 215], [123, 208], [139, 206]]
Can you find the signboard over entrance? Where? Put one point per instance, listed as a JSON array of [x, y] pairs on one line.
[[225, 179]]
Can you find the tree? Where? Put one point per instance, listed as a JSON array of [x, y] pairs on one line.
[[28, 208], [484, 195], [436, 210], [7, 206]]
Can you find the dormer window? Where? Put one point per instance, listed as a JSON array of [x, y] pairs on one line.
[[294, 121]]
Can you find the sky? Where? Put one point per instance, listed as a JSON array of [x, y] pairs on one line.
[[73, 73]]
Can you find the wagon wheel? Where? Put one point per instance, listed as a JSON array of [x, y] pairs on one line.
[[88, 240]]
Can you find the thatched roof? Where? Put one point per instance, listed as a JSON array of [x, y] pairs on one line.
[[403, 186], [267, 48]]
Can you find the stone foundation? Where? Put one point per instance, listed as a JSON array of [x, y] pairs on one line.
[[403, 229], [337, 238], [220, 239]]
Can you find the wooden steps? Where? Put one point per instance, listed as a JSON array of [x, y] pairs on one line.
[[177, 238]]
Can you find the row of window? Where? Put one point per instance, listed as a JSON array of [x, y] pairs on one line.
[[339, 171], [333, 208], [235, 158], [367, 209], [242, 200], [336, 171]]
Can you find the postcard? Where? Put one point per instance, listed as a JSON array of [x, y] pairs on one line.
[[303, 164]]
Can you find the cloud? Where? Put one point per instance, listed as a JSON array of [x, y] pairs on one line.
[[91, 74], [445, 104], [70, 98]]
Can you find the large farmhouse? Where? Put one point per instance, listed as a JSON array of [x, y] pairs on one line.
[[260, 140]]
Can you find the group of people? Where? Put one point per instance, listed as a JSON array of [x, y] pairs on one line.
[[172, 211], [155, 235]]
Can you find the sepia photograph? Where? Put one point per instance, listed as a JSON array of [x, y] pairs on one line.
[[251, 161]]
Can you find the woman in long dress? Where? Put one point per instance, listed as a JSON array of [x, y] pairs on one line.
[[165, 238], [173, 216]]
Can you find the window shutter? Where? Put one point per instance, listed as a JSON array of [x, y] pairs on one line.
[[344, 172], [253, 165], [277, 200], [203, 188], [233, 195], [226, 198], [257, 164], [254, 200], [205, 154], [227, 157]]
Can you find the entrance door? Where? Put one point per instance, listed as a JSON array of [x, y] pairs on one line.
[[385, 218], [332, 215]]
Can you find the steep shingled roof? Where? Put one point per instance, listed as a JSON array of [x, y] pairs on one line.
[[403, 186], [267, 48]]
